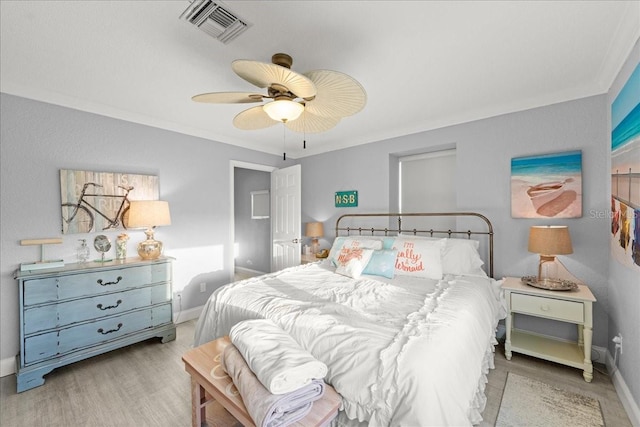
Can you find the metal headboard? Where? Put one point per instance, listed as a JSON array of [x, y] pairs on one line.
[[389, 230]]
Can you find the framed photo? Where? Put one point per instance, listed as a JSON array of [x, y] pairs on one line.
[[547, 186], [260, 205], [97, 201], [625, 174]]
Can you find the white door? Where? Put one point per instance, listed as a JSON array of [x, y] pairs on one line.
[[285, 217]]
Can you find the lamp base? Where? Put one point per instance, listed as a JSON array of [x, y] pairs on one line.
[[550, 272], [150, 248]]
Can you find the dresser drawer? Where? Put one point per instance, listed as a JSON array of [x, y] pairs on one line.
[[57, 343], [569, 311], [55, 315], [38, 291]]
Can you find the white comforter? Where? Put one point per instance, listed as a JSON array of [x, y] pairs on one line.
[[410, 352]]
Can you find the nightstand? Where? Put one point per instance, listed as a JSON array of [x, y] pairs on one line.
[[564, 306]]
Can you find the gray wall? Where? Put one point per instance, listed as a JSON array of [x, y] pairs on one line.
[[624, 284], [484, 152], [38, 139], [253, 236]]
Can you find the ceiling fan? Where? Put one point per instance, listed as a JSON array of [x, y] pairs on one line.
[[311, 102]]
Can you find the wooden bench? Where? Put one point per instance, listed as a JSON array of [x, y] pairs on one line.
[[212, 390]]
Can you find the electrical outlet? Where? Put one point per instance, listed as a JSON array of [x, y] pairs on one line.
[[203, 287]]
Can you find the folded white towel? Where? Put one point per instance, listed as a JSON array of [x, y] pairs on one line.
[[267, 409], [276, 359]]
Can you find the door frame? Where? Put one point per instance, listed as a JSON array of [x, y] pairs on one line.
[[233, 164]]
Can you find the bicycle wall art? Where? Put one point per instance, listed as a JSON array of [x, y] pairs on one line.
[[97, 201]]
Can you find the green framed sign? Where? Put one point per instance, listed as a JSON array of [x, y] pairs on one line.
[[346, 199]]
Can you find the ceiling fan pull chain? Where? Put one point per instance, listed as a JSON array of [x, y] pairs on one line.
[[284, 143]]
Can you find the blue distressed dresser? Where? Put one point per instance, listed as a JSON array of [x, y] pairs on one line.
[[81, 310]]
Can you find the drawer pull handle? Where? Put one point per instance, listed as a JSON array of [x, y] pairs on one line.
[[545, 308], [101, 307], [109, 283], [103, 332]]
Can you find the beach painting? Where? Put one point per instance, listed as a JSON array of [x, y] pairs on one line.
[[625, 174], [547, 186]]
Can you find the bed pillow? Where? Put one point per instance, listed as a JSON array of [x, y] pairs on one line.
[[382, 263], [461, 256], [352, 262], [346, 243], [419, 257]]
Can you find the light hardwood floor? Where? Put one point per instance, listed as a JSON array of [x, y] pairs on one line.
[[145, 385]]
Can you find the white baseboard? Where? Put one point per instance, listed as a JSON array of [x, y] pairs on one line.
[[630, 405], [7, 366], [186, 315], [599, 355]]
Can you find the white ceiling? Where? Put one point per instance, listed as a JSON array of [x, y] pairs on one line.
[[423, 64]]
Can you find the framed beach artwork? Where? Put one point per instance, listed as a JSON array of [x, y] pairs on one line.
[[547, 186], [625, 173], [96, 201]]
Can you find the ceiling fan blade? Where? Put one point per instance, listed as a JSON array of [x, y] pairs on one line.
[[253, 118], [264, 75], [311, 123], [338, 94], [228, 97]]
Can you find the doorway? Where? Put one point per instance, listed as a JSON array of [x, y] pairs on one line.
[[250, 233]]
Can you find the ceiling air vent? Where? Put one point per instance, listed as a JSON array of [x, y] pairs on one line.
[[215, 19]]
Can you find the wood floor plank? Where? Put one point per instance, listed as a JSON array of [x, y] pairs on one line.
[[145, 384]]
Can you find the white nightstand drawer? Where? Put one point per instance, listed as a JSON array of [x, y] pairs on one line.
[[569, 311]]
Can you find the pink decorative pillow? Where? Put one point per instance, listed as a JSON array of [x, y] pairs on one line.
[[419, 257], [351, 262], [346, 243]]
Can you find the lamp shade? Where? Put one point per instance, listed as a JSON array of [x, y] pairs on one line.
[[148, 213], [550, 240], [314, 229], [283, 110]]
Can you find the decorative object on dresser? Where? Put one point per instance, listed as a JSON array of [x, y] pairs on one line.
[[549, 241], [149, 214], [82, 251], [314, 230], [42, 264], [573, 307], [102, 244], [121, 246], [85, 309]]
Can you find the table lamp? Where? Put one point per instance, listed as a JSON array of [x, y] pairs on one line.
[[149, 214], [314, 230], [549, 241]]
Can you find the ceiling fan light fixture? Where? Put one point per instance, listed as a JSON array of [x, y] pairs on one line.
[[283, 110]]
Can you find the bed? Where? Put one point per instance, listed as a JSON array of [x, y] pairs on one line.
[[404, 316]]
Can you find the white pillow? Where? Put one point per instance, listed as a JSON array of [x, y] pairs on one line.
[[461, 256], [345, 243], [419, 257], [352, 262]]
